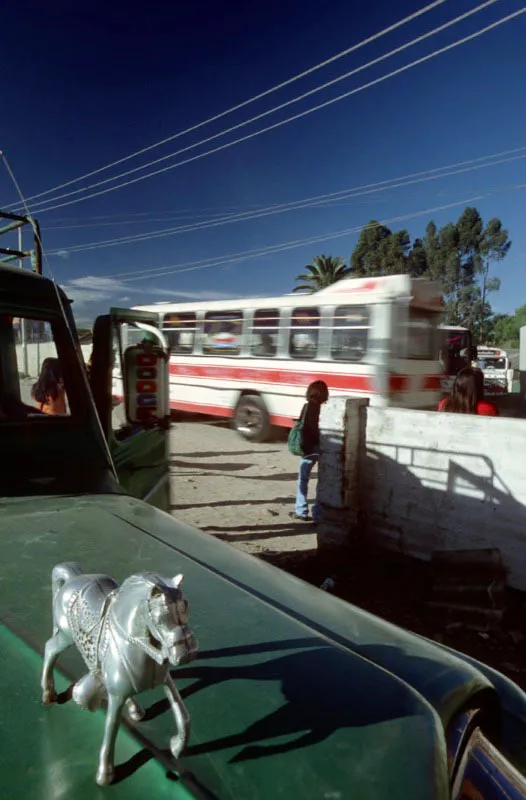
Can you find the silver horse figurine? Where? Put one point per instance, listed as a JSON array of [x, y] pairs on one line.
[[128, 636]]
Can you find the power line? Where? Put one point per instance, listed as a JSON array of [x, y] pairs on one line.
[[155, 214], [158, 272], [301, 114], [197, 213], [263, 114], [319, 200], [115, 223], [253, 99]]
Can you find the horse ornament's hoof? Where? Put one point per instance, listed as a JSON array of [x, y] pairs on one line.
[[49, 697], [136, 713], [177, 745], [105, 776]]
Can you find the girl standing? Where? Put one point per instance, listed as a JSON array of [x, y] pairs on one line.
[[317, 394]]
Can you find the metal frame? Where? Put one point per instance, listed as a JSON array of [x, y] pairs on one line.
[[17, 222]]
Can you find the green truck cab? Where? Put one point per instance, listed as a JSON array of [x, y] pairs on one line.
[[294, 694]]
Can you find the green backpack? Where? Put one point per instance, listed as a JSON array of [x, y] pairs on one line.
[[296, 435]]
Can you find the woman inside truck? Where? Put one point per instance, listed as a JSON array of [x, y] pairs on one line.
[[49, 392]]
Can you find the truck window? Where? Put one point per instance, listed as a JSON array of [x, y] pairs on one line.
[[31, 373]]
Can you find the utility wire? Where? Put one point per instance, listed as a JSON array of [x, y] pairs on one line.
[[157, 272], [316, 201], [251, 100], [156, 216], [299, 115], [456, 20]]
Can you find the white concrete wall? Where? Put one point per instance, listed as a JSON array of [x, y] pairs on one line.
[[522, 362], [447, 482], [36, 353], [424, 481]]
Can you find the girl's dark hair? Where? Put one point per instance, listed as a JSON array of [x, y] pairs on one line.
[[50, 383], [467, 392], [318, 392]]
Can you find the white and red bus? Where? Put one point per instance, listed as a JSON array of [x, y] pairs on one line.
[[252, 360], [495, 364]]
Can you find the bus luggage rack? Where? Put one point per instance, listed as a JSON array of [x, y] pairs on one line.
[[8, 255]]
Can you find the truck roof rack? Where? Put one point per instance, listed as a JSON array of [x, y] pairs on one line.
[[8, 255]]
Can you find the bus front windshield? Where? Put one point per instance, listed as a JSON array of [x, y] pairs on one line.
[[493, 363], [453, 347]]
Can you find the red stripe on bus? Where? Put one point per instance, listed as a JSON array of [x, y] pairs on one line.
[[358, 383], [398, 383], [433, 383]]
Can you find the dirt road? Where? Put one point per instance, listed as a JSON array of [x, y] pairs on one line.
[[240, 492]]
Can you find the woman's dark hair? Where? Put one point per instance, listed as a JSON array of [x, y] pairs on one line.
[[50, 382], [467, 392], [318, 392]]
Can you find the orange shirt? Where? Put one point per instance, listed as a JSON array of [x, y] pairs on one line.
[[57, 406]]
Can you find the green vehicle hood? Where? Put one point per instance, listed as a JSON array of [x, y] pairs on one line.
[[294, 693]]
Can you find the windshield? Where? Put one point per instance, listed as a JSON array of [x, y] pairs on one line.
[[492, 363], [453, 346]]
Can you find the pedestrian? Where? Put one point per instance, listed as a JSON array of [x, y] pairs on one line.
[[49, 392], [317, 394], [467, 395]]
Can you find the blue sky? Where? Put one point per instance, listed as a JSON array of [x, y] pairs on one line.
[[85, 84]]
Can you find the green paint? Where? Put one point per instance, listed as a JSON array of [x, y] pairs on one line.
[[52, 753], [279, 708]]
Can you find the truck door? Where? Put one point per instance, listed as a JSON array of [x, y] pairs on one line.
[[140, 451]]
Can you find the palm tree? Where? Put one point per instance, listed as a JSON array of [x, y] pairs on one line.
[[323, 271]]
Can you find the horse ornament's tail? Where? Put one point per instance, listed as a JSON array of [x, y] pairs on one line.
[[61, 573]]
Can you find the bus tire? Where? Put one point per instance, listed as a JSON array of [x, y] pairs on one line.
[[251, 419]]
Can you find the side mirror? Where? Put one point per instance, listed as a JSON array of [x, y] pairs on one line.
[[146, 382]]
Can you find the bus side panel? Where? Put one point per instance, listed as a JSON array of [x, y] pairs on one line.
[[215, 386]]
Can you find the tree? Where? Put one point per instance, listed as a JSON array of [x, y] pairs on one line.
[[324, 271], [379, 251], [417, 259], [367, 257], [504, 329], [459, 257], [494, 247]]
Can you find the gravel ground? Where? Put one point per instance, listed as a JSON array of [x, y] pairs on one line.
[[238, 491]]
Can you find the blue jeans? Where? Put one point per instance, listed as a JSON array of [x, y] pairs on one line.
[[302, 508]]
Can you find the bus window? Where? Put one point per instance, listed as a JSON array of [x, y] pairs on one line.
[[349, 335], [421, 335], [180, 330], [304, 333], [222, 333], [265, 330]]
